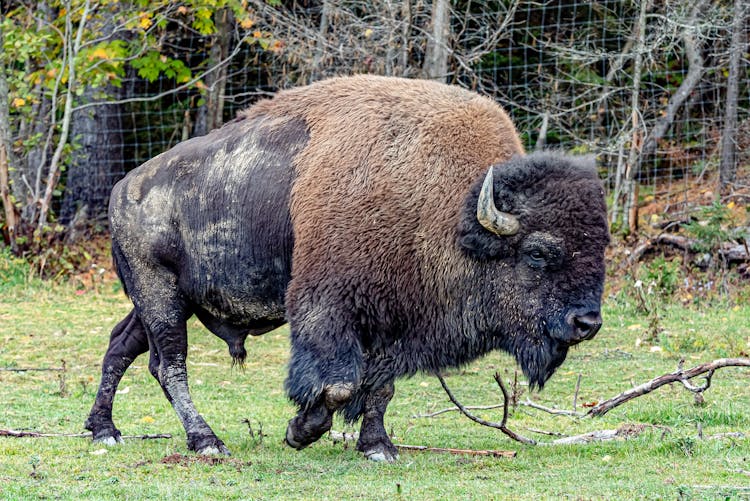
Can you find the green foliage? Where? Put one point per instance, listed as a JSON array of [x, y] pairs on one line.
[[14, 271], [713, 227], [662, 275], [153, 64]]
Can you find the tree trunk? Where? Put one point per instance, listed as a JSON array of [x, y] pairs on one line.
[[629, 185], [210, 114], [97, 162], [6, 157], [437, 52], [728, 165]]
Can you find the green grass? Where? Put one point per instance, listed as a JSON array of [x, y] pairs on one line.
[[42, 325]]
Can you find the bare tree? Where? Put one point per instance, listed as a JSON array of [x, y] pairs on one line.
[[728, 167], [437, 52]]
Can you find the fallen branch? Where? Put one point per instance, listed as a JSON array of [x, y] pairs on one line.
[[550, 410], [31, 369], [468, 452], [679, 376], [526, 403], [623, 432], [454, 409], [36, 434], [732, 253], [337, 436]]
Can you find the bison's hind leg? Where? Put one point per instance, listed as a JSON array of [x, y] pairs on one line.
[[128, 340]]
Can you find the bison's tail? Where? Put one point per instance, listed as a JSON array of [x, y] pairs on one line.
[[121, 266]]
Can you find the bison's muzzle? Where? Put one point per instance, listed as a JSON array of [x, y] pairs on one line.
[[582, 324]]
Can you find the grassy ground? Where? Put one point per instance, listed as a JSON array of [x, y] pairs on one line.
[[40, 326]]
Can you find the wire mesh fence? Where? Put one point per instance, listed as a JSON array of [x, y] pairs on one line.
[[646, 86]]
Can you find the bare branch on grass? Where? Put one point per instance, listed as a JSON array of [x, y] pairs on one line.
[[626, 431], [32, 369], [678, 376], [36, 434], [467, 452], [501, 425]]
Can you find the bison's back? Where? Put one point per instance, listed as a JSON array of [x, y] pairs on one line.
[[212, 215]]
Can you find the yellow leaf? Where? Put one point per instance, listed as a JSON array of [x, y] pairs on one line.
[[736, 308], [145, 21], [147, 419], [368, 32], [98, 53], [18, 102], [731, 205], [247, 23]]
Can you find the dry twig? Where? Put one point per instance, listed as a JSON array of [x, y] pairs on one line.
[[501, 425]]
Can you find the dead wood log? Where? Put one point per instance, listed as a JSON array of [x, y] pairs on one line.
[[731, 252], [681, 375]]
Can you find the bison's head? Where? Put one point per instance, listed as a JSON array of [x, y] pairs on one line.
[[536, 228]]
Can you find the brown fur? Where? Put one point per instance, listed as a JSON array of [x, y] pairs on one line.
[[395, 173]]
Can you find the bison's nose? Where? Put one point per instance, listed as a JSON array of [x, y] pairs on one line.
[[584, 326]]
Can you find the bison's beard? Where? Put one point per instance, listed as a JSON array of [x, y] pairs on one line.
[[539, 359]]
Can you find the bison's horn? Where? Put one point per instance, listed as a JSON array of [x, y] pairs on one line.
[[498, 222]]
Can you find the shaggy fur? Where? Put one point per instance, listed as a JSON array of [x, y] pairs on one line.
[[349, 206]]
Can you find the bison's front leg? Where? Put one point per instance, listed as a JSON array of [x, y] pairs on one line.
[[324, 372], [312, 422], [373, 439]]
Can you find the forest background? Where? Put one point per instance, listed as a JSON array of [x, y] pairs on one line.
[[659, 91]]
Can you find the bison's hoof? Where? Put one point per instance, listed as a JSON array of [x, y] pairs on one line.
[[109, 441], [109, 436], [214, 450], [381, 455], [207, 445]]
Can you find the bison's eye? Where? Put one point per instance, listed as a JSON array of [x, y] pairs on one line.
[[536, 258]]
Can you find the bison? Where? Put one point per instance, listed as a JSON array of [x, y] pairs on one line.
[[396, 224]]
